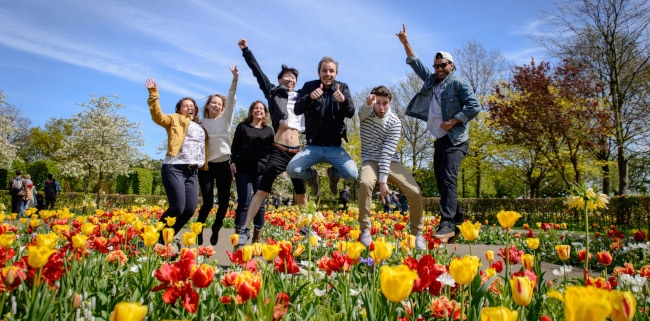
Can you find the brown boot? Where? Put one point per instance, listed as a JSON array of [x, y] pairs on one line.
[[257, 235]]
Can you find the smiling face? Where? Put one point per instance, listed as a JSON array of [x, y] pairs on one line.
[[258, 111], [215, 106], [186, 107], [443, 68], [288, 80], [327, 71]]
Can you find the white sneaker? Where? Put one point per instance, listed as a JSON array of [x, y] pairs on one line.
[[365, 238], [420, 244]]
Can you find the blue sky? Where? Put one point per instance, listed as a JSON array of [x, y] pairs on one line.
[[56, 54]]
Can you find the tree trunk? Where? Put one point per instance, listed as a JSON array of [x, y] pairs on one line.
[[605, 174], [623, 179], [479, 179]]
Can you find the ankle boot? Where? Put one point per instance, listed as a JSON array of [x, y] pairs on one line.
[[214, 238], [257, 235]]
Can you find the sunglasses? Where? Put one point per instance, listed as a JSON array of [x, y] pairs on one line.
[[442, 65]]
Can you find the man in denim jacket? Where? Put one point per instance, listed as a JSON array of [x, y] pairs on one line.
[[447, 103]]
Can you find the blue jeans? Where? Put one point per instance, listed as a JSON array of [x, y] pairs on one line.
[[344, 167], [246, 186], [446, 165], [182, 189]]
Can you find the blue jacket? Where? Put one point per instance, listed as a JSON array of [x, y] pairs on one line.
[[457, 100]]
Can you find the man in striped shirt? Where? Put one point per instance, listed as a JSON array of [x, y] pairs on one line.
[[380, 133]]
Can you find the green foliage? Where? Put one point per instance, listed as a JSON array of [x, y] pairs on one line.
[[139, 181], [39, 170]]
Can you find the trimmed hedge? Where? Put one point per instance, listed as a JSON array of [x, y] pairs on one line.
[[139, 181]]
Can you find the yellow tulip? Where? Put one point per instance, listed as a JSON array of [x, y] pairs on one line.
[[168, 235], [533, 243], [490, 272], [197, 227], [34, 223], [6, 240], [623, 305], [340, 246], [23, 220], [354, 234], [150, 238], [234, 239], [522, 290], [355, 249], [79, 240], [87, 228], [247, 253], [189, 238], [149, 229], [507, 219], [298, 250], [584, 303], [37, 256], [464, 270], [383, 250], [407, 243], [313, 240], [498, 314], [269, 252], [128, 311], [170, 221], [563, 251], [469, 231], [397, 282], [160, 226], [528, 260], [138, 225], [489, 255], [49, 240]]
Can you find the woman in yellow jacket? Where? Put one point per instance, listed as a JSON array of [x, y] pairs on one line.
[[185, 154]]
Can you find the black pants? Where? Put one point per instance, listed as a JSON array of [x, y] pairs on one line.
[[49, 202], [277, 164], [181, 185], [219, 173], [446, 165]]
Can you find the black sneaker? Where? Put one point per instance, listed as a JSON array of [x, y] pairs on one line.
[[334, 182], [452, 239], [444, 232], [313, 184]]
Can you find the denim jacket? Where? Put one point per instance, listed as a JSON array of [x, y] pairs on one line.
[[457, 100]]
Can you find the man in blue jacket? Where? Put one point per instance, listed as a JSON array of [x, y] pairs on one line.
[[447, 103], [325, 103]]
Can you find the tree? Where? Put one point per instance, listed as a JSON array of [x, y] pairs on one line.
[[102, 142], [611, 38], [7, 127], [42, 143]]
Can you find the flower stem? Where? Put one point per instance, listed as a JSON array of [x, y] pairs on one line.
[[586, 241]]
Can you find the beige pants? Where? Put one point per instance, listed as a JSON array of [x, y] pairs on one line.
[[397, 175]]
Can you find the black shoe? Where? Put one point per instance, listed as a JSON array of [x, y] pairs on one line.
[[214, 238], [334, 182], [452, 239], [444, 232], [313, 184], [200, 238]]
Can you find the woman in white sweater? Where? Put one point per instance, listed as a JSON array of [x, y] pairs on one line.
[[217, 122]]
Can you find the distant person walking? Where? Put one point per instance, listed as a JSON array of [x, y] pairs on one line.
[[19, 193], [52, 189]]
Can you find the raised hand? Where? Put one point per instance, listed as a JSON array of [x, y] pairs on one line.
[[234, 71], [242, 43], [150, 83], [403, 37], [371, 100], [317, 93], [338, 95]]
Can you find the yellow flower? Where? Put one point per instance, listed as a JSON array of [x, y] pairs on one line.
[[298, 250], [128, 311], [313, 240], [87, 228], [584, 303], [507, 219], [489, 255], [189, 238], [149, 229], [234, 239], [464, 270], [533, 243], [49, 240], [575, 202], [470, 231], [34, 223], [246, 253], [563, 251], [397, 282], [79, 240], [623, 305], [138, 225], [6, 240], [354, 234], [168, 235], [170, 221], [383, 250], [269, 252], [490, 272], [257, 249], [340, 246], [407, 243], [160, 226], [498, 314], [522, 290], [197, 227], [355, 249], [150, 238], [528, 260], [37, 256]]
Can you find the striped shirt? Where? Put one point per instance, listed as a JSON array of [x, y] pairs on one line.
[[379, 138]]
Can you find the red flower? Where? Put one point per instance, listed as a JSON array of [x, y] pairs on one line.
[[229, 278], [206, 251], [286, 265], [203, 275], [526, 273], [514, 255], [628, 269], [281, 306], [600, 283], [441, 307], [645, 271], [582, 254], [427, 273], [236, 258], [176, 281], [12, 277], [247, 285], [497, 266], [604, 258], [639, 236]]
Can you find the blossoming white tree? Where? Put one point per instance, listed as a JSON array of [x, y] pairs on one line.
[[102, 143], [7, 126]]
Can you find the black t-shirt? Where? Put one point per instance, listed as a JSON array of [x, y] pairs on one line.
[[251, 147]]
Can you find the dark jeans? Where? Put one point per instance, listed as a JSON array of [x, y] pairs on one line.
[[246, 186], [219, 172], [277, 164], [446, 165], [50, 202], [17, 205], [181, 185]]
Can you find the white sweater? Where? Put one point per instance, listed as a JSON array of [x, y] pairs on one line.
[[218, 130]]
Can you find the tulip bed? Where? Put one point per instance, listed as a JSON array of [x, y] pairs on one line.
[[109, 266]]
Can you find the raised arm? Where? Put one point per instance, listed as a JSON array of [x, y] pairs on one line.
[[232, 98], [411, 58], [154, 104], [366, 109], [262, 80], [403, 38]]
